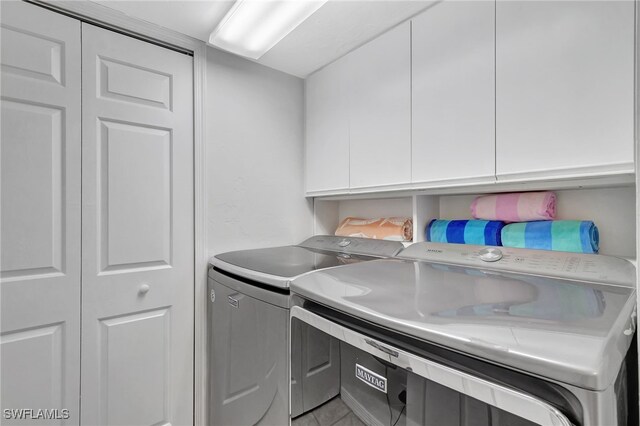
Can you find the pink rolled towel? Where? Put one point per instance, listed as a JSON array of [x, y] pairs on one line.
[[516, 207]]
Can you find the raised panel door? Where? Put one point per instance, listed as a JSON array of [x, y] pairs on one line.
[[40, 215], [138, 241]]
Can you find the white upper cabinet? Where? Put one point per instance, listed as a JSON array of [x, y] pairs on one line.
[[564, 88], [454, 93], [379, 87], [327, 129]]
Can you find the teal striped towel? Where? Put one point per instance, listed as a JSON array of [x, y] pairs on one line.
[[559, 235]]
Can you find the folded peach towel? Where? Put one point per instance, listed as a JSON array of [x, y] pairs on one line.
[[516, 207], [389, 228]]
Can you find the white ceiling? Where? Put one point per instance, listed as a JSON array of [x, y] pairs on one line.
[[335, 29]]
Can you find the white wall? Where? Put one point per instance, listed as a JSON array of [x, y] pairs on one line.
[[255, 142]]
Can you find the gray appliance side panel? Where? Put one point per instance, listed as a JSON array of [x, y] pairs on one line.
[[320, 367], [248, 359], [296, 368]]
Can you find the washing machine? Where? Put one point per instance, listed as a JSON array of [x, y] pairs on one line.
[[249, 358], [449, 334]]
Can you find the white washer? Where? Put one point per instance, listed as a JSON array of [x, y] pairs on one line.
[[248, 318], [520, 336]]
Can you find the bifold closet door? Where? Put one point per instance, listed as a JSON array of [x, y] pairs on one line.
[[40, 210], [137, 232]]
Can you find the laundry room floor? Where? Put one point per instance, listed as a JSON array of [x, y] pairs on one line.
[[332, 413]]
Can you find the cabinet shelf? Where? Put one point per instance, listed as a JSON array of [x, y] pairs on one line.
[[611, 207]]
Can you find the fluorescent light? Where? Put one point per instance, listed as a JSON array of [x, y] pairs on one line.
[[252, 27]]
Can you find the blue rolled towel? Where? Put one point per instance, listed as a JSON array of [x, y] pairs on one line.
[[480, 232], [559, 235]]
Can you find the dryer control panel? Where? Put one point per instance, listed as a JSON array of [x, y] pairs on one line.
[[574, 266]]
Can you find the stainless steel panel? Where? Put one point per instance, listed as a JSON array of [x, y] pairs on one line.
[[248, 359], [320, 367], [315, 368]]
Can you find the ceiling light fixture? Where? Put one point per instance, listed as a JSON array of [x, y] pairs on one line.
[[252, 27]]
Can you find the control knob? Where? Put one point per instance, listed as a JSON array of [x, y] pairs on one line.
[[490, 254]]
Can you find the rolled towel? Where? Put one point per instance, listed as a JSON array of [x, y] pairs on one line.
[[560, 235], [481, 232], [516, 207], [391, 228]]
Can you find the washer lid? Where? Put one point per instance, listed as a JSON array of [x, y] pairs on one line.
[[354, 245], [278, 265], [570, 331]]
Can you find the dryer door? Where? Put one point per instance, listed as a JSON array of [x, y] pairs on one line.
[[247, 359]]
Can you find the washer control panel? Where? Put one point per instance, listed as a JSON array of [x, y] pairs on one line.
[[575, 266]]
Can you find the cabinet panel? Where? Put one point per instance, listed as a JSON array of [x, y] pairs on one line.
[[380, 110], [564, 83], [327, 127], [453, 97]]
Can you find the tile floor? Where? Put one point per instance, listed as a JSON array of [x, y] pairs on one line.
[[332, 413]]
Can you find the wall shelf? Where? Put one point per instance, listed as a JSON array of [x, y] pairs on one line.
[[611, 207]]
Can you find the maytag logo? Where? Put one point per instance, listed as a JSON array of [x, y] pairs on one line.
[[429, 250], [374, 380]]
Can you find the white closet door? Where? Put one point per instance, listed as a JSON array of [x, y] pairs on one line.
[[40, 208], [137, 232]]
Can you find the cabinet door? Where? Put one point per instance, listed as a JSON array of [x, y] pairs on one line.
[[453, 92], [564, 87], [327, 130], [380, 110], [137, 232], [40, 210]]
